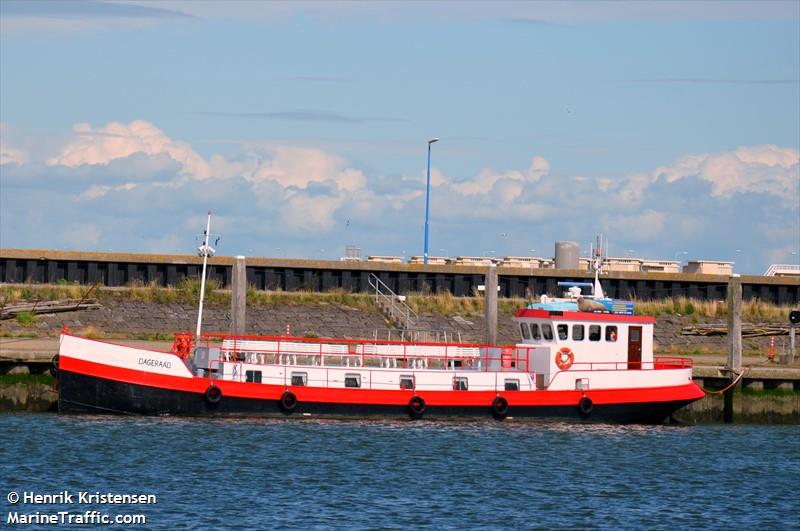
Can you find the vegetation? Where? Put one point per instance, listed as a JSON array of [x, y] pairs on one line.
[[443, 303], [26, 318], [753, 310], [11, 379]]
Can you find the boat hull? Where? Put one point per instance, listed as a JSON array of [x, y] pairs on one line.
[[85, 393]]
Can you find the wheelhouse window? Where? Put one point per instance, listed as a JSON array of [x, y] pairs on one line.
[[252, 376], [547, 332], [512, 385], [460, 384], [406, 381], [611, 333], [563, 332], [526, 331], [299, 378], [594, 333], [352, 380], [577, 332], [535, 332]]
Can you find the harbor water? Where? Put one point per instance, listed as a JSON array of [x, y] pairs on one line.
[[306, 473]]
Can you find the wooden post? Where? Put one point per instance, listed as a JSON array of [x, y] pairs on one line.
[[734, 341], [238, 297], [490, 304]]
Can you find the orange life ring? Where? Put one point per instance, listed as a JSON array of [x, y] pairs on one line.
[[564, 358]]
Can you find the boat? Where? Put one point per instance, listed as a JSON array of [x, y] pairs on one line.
[[569, 363]]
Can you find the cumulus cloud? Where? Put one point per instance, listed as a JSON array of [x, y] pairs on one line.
[[488, 178], [9, 154], [141, 185], [765, 169], [116, 140]]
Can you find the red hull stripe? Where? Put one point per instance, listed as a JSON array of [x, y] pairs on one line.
[[584, 316], [690, 391]]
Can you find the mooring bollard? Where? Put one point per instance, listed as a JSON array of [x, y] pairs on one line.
[[734, 342]]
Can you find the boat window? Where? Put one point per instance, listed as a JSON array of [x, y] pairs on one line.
[[535, 331], [460, 384], [563, 331], [352, 380], [526, 332], [299, 378], [611, 333], [577, 332], [252, 376], [512, 385], [594, 333], [547, 332], [406, 381]]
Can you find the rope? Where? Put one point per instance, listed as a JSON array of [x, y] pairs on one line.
[[732, 384]]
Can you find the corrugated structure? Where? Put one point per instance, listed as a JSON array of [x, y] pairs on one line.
[[118, 269]]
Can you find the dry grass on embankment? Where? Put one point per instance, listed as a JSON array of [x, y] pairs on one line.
[[445, 304]]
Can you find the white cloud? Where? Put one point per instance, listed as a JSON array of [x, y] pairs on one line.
[[116, 141], [145, 187], [764, 169], [8, 154], [299, 167], [97, 191], [488, 177]]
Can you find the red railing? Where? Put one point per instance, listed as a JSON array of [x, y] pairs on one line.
[[368, 354]]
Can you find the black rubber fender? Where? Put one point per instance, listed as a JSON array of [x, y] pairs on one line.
[[213, 394], [416, 406], [54, 366], [288, 402], [585, 406], [500, 407]]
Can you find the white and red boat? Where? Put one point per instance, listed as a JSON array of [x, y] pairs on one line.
[[590, 365]]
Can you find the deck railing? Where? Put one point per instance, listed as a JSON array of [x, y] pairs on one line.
[[367, 354]]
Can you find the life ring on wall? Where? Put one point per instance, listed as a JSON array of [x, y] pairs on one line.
[[500, 407], [213, 394], [585, 406], [288, 402], [564, 358], [416, 406]]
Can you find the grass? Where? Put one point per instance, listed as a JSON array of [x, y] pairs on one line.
[[754, 310], [26, 318], [11, 379], [188, 291]]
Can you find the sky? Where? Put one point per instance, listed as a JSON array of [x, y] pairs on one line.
[[672, 128]]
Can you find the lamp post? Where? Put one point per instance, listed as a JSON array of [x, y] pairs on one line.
[[428, 201]]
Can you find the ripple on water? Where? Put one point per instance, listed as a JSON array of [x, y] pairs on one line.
[[262, 473]]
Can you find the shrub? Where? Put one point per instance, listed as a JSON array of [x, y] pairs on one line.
[[26, 318]]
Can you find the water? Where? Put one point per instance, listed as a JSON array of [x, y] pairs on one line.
[[263, 474]]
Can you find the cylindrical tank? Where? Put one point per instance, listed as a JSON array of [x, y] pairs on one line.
[[567, 255]]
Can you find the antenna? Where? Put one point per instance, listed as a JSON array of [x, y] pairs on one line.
[[205, 251]]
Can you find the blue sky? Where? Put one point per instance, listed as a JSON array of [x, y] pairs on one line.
[[667, 126]]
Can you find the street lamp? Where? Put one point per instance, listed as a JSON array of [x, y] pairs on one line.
[[428, 201]]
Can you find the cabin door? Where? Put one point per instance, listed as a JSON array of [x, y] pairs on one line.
[[635, 347]]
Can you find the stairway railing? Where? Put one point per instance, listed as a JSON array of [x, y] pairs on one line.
[[394, 304]]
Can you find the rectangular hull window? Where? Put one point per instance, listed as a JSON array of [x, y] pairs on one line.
[[406, 382], [300, 378], [252, 376], [352, 380]]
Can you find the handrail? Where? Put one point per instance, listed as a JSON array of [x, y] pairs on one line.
[[384, 292]]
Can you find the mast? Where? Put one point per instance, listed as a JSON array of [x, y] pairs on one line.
[[205, 251]]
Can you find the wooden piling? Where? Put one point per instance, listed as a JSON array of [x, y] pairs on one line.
[[238, 297], [490, 304], [734, 365]]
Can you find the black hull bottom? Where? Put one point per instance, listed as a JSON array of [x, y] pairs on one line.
[[79, 393]]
